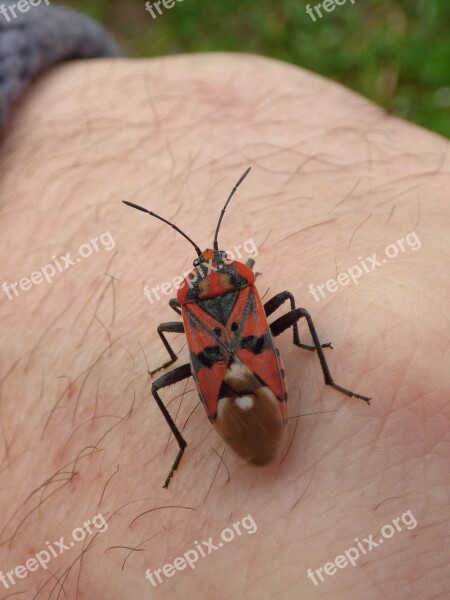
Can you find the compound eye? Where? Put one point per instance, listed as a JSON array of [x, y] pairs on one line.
[[224, 255], [196, 262]]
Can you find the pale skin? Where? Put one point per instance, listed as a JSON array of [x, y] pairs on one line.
[[333, 179]]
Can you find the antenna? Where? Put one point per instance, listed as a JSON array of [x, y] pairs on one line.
[[241, 179], [152, 214]]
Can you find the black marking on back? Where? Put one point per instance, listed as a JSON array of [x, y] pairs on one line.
[[208, 357], [255, 344], [220, 307]]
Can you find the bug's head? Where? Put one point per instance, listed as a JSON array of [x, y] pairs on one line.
[[217, 261], [214, 274], [214, 257], [213, 268]]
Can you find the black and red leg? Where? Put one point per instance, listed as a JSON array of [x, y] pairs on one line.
[[291, 319]]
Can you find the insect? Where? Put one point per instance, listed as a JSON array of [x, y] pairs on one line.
[[234, 361]]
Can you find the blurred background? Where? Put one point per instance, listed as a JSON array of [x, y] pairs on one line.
[[395, 52]]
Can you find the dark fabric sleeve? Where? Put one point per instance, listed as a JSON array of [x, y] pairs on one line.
[[41, 37]]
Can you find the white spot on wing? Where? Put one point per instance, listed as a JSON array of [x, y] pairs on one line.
[[237, 370], [240, 379], [244, 402]]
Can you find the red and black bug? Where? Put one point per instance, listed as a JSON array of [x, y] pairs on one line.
[[233, 358]]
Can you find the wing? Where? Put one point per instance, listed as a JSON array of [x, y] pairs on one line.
[[226, 329], [253, 344], [209, 353]]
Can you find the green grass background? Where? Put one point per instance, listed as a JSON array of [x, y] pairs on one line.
[[395, 52]]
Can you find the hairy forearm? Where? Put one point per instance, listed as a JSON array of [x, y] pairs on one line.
[[334, 181]]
